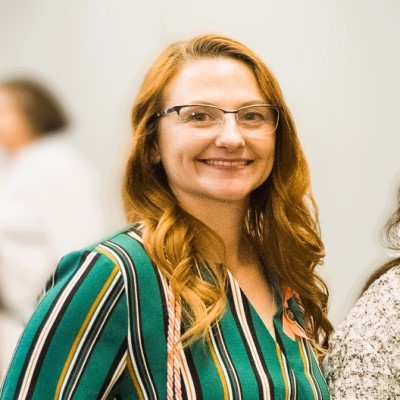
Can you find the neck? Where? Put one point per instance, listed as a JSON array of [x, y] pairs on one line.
[[24, 141], [226, 219]]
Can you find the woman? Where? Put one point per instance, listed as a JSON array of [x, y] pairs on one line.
[[230, 306], [45, 191], [364, 362]]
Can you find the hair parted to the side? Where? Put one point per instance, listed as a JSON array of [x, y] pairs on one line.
[[39, 106], [282, 217]]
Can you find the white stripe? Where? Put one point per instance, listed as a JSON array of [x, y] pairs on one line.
[[187, 377], [295, 385], [249, 338], [230, 362], [135, 236], [286, 370], [308, 369], [78, 350], [118, 371], [49, 324], [311, 350], [223, 367], [108, 247]]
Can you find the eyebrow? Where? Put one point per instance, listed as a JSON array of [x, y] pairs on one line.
[[244, 104]]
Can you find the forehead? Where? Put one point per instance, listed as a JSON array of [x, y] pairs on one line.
[[215, 81]]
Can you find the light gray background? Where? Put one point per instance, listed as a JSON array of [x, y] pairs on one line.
[[337, 62]]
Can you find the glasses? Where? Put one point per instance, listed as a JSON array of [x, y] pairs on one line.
[[256, 119]]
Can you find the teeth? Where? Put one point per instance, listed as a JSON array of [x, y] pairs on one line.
[[221, 163]]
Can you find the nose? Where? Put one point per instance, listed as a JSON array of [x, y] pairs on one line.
[[230, 135]]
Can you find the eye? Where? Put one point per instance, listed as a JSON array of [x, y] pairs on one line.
[[253, 116], [257, 116], [198, 115]]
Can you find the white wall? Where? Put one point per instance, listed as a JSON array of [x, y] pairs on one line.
[[337, 62]]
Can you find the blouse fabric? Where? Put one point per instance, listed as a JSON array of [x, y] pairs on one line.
[[100, 332], [364, 361]]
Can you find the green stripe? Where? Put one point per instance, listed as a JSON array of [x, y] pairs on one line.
[[269, 354], [103, 354], [151, 312], [293, 356], [239, 356], [107, 350], [71, 323], [226, 360], [210, 382]]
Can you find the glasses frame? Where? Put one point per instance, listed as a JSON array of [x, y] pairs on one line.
[[177, 109]]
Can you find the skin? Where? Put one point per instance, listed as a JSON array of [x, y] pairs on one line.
[[213, 176], [15, 130]]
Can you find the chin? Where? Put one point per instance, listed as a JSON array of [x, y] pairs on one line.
[[231, 196]]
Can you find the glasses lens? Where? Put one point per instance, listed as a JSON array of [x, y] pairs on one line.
[[201, 118], [258, 119]]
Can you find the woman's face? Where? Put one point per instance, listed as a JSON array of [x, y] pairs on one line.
[[225, 164], [15, 130]]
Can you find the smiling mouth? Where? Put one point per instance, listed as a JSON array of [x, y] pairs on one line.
[[227, 163]]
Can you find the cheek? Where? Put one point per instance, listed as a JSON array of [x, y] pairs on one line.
[[167, 152], [162, 148], [172, 158], [268, 159], [9, 128], [11, 124], [174, 149], [269, 151], [273, 153]]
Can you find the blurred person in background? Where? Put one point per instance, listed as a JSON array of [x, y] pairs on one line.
[[364, 361], [48, 202]]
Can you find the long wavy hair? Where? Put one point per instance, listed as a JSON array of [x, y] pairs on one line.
[[391, 239], [282, 218]]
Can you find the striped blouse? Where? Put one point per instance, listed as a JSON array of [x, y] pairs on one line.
[[100, 332]]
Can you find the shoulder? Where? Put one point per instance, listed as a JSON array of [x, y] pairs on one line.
[[112, 251], [366, 342], [377, 308], [52, 158], [125, 247], [127, 240]]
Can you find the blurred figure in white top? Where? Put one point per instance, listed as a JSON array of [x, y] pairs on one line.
[[48, 202]]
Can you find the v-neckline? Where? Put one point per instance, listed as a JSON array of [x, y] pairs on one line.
[[277, 292]]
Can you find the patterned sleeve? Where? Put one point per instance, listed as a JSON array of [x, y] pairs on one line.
[[364, 362], [75, 343]]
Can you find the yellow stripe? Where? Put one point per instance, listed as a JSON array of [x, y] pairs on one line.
[[305, 362], [283, 369], [129, 363], [219, 369], [83, 328], [107, 254], [134, 379]]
